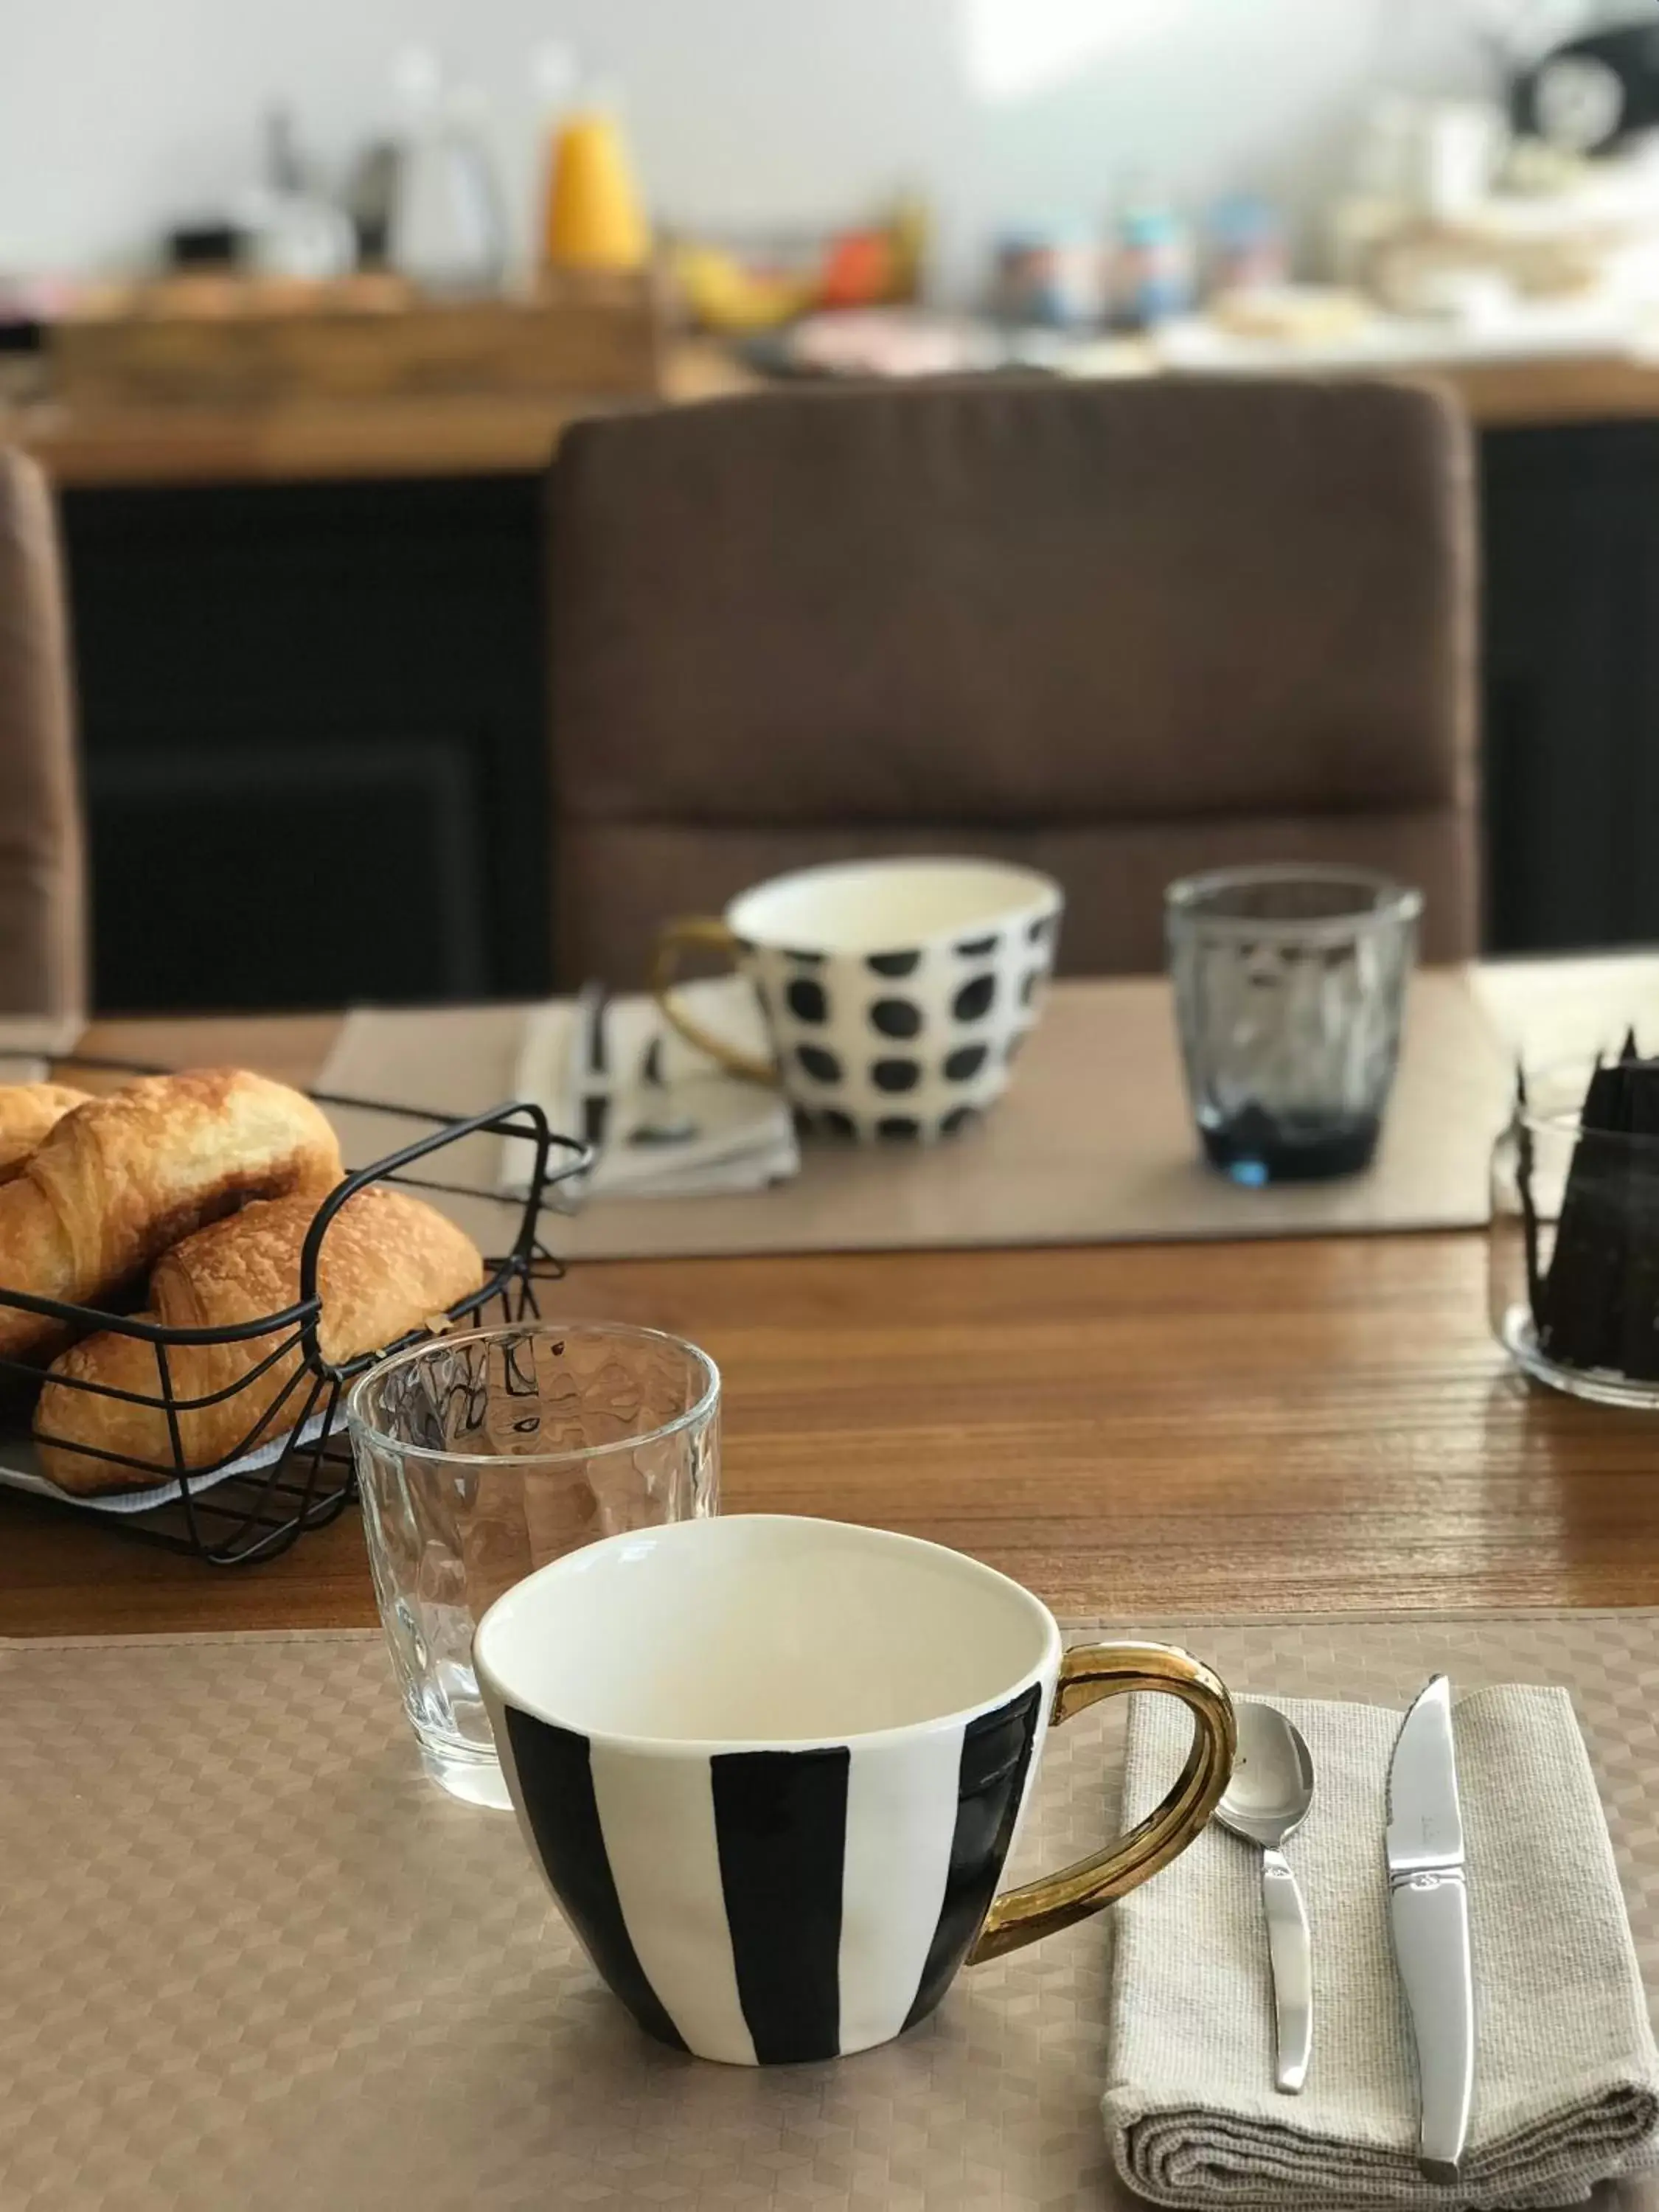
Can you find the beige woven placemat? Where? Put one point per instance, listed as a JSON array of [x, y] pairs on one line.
[[251, 1961], [1093, 1143]]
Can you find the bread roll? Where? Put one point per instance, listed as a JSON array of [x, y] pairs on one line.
[[388, 1264], [122, 1177], [29, 1112]]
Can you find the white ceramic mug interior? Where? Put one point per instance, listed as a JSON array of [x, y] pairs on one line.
[[898, 992], [762, 1629], [890, 907], [771, 1768]]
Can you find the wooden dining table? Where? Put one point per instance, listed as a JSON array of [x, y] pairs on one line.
[[1301, 1425]]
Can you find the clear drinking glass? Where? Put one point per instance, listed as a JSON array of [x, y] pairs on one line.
[[1290, 983], [481, 1457]]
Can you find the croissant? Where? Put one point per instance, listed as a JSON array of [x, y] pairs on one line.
[[388, 1264], [28, 1111], [122, 1177]]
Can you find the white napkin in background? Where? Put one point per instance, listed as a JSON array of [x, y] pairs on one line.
[[35, 1038], [1566, 2078], [744, 1139]]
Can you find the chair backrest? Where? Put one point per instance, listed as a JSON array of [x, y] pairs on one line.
[[42, 882], [1120, 630]]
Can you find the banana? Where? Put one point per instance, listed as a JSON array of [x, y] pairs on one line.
[[724, 295]]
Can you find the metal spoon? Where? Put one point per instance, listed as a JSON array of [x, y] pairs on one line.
[[1267, 1801]]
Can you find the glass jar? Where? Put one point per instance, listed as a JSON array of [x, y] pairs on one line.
[[1573, 1247]]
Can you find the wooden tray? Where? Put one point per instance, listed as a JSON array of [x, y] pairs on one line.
[[226, 340]]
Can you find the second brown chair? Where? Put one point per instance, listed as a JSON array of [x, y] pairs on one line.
[[1118, 631], [42, 891]]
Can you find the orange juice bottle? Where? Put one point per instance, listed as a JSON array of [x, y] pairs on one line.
[[594, 216]]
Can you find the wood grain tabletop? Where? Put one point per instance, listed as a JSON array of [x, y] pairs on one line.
[[1310, 1425]]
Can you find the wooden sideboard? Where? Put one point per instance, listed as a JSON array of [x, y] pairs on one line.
[[402, 438], [307, 442]]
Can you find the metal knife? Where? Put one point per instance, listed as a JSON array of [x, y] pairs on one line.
[[1429, 1914], [666, 1126], [591, 1005]]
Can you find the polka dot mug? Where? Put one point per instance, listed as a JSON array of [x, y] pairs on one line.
[[896, 993]]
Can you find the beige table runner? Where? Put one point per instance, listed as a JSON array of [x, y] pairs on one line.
[[1093, 1143], [250, 1959]]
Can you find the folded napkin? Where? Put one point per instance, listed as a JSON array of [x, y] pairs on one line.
[[37, 1037], [737, 1136], [1566, 2079]]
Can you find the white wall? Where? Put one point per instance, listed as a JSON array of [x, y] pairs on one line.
[[117, 116]]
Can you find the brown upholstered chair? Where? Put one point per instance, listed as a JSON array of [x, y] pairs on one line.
[[42, 921], [1121, 631]]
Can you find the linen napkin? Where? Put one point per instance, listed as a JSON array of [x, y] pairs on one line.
[[730, 1136], [1566, 2089], [35, 1038], [20, 1470]]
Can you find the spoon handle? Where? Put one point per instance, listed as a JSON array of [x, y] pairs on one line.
[[1292, 1955]]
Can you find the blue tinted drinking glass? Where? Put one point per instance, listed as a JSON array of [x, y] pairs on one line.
[[1289, 984]]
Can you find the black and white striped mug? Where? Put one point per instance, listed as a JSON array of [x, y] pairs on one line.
[[771, 1768]]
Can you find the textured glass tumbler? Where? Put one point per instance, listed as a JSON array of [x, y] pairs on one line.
[[1290, 983], [482, 1457]]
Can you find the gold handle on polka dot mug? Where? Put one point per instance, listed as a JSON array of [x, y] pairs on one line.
[[707, 933]]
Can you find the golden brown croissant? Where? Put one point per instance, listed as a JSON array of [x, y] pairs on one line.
[[29, 1112], [122, 1177], [388, 1264]]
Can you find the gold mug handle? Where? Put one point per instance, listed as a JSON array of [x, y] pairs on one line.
[[1087, 1674], [709, 934]]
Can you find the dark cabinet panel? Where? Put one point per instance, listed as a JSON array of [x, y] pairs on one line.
[[1571, 755], [355, 872], [315, 742]]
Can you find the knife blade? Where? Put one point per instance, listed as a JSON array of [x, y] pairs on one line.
[[1429, 1918], [591, 1004]]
